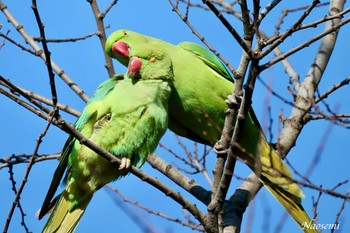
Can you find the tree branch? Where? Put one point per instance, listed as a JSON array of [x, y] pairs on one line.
[[305, 97], [102, 33], [40, 53]]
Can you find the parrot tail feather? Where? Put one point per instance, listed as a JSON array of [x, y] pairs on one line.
[[293, 206], [64, 218]]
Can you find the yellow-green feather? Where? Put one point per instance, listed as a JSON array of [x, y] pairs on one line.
[[197, 111], [125, 117]]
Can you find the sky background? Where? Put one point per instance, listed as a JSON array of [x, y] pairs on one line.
[[83, 61]]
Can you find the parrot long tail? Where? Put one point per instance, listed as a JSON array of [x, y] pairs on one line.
[[63, 218], [273, 172], [293, 206]]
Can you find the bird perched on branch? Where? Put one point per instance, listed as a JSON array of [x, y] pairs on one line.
[[126, 116], [199, 88]]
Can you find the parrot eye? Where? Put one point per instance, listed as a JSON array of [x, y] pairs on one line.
[[152, 59], [125, 34]]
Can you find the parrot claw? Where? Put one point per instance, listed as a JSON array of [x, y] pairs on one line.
[[219, 149], [125, 164], [232, 100]]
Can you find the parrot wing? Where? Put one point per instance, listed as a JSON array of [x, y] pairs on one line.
[[103, 89], [208, 58]]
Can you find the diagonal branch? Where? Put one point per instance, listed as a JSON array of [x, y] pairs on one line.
[[291, 30], [102, 33], [47, 54], [305, 97], [40, 53], [70, 129]]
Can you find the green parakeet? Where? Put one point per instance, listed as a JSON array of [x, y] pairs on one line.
[[125, 116], [200, 85]]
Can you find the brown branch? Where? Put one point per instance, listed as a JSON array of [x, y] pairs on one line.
[[40, 98], [335, 87], [285, 13], [305, 97], [193, 161], [189, 224], [341, 209], [201, 38], [24, 158], [39, 52], [26, 175], [332, 29], [268, 9], [47, 54], [229, 27], [6, 37], [102, 33], [70, 129], [181, 180], [19, 205], [69, 39], [291, 30]]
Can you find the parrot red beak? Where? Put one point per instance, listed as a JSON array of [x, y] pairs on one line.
[[121, 48], [135, 65]]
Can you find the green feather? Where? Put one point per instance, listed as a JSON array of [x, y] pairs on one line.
[[200, 84], [208, 58], [127, 117]]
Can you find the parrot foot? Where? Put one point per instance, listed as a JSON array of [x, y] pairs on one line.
[[219, 149], [125, 164], [233, 100]]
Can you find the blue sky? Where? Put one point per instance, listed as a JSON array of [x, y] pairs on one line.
[[83, 61]]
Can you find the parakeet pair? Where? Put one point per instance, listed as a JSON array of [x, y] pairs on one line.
[[127, 116], [200, 84]]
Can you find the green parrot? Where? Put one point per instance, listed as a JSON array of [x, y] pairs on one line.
[[127, 116], [200, 86]]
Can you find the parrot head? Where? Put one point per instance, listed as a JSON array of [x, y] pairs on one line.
[[142, 55], [153, 67], [120, 43]]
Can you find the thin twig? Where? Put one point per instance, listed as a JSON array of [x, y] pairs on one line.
[[47, 54], [191, 225], [195, 32], [291, 30], [24, 158], [19, 205], [69, 39], [39, 52], [43, 99], [305, 44], [102, 33], [26, 175]]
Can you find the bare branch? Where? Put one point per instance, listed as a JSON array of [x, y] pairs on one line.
[[40, 98], [305, 97], [267, 9], [332, 29], [341, 209], [6, 37], [47, 54], [229, 27], [19, 205], [24, 158], [40, 53], [26, 175], [191, 225], [291, 30], [102, 33], [335, 87], [201, 37], [70, 129], [69, 39]]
